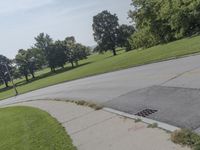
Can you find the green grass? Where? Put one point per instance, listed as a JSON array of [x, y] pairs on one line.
[[154, 125], [186, 138], [98, 64], [84, 103], [26, 128]]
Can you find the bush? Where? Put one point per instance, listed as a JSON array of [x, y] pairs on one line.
[[143, 39], [154, 125], [197, 147], [187, 138]]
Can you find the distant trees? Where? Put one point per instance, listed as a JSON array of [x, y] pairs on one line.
[[58, 53], [46, 52]]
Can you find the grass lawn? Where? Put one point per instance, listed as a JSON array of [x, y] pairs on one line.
[[26, 128], [98, 64]]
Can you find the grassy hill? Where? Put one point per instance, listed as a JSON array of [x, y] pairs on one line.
[[98, 64]]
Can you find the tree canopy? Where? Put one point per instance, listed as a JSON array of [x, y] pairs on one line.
[[105, 27], [27, 62], [161, 21], [55, 55], [75, 51], [124, 33]]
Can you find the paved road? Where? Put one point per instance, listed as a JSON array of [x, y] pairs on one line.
[[170, 87]]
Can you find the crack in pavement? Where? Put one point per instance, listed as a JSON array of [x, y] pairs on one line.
[[95, 124], [179, 75], [78, 117]]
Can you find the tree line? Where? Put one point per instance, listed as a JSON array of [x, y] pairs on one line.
[[44, 53], [153, 22]]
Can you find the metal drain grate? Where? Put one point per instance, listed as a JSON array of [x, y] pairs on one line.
[[146, 112]]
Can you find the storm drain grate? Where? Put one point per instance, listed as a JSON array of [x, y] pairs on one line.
[[146, 112]]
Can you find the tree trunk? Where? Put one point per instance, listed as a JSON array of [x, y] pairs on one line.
[[53, 69], [114, 52], [76, 63], [6, 83], [72, 64], [26, 76], [33, 75]]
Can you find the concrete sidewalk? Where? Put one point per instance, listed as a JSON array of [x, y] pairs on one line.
[[101, 130]]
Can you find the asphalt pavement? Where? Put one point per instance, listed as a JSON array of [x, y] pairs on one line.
[[172, 88]]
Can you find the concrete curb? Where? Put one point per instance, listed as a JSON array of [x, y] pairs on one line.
[[145, 120]]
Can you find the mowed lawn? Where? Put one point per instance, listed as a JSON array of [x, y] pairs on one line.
[[101, 63], [26, 128]]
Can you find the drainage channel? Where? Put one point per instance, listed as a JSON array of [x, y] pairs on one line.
[[146, 112]]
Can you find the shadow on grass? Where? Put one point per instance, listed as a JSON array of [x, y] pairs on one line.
[[112, 56], [49, 74], [5, 89]]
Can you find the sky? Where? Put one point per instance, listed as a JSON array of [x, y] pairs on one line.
[[22, 20]]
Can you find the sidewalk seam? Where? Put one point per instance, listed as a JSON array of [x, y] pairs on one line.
[[95, 124]]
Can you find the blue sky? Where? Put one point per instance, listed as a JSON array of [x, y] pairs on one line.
[[22, 20]]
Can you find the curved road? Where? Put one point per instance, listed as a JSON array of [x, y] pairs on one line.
[[170, 87]]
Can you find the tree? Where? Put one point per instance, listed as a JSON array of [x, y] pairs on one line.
[[79, 53], [69, 44], [42, 42], [105, 27], [124, 33], [24, 71], [75, 51], [16, 72], [26, 62], [55, 54], [21, 62], [5, 65], [143, 38], [38, 56], [98, 49], [185, 18]]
